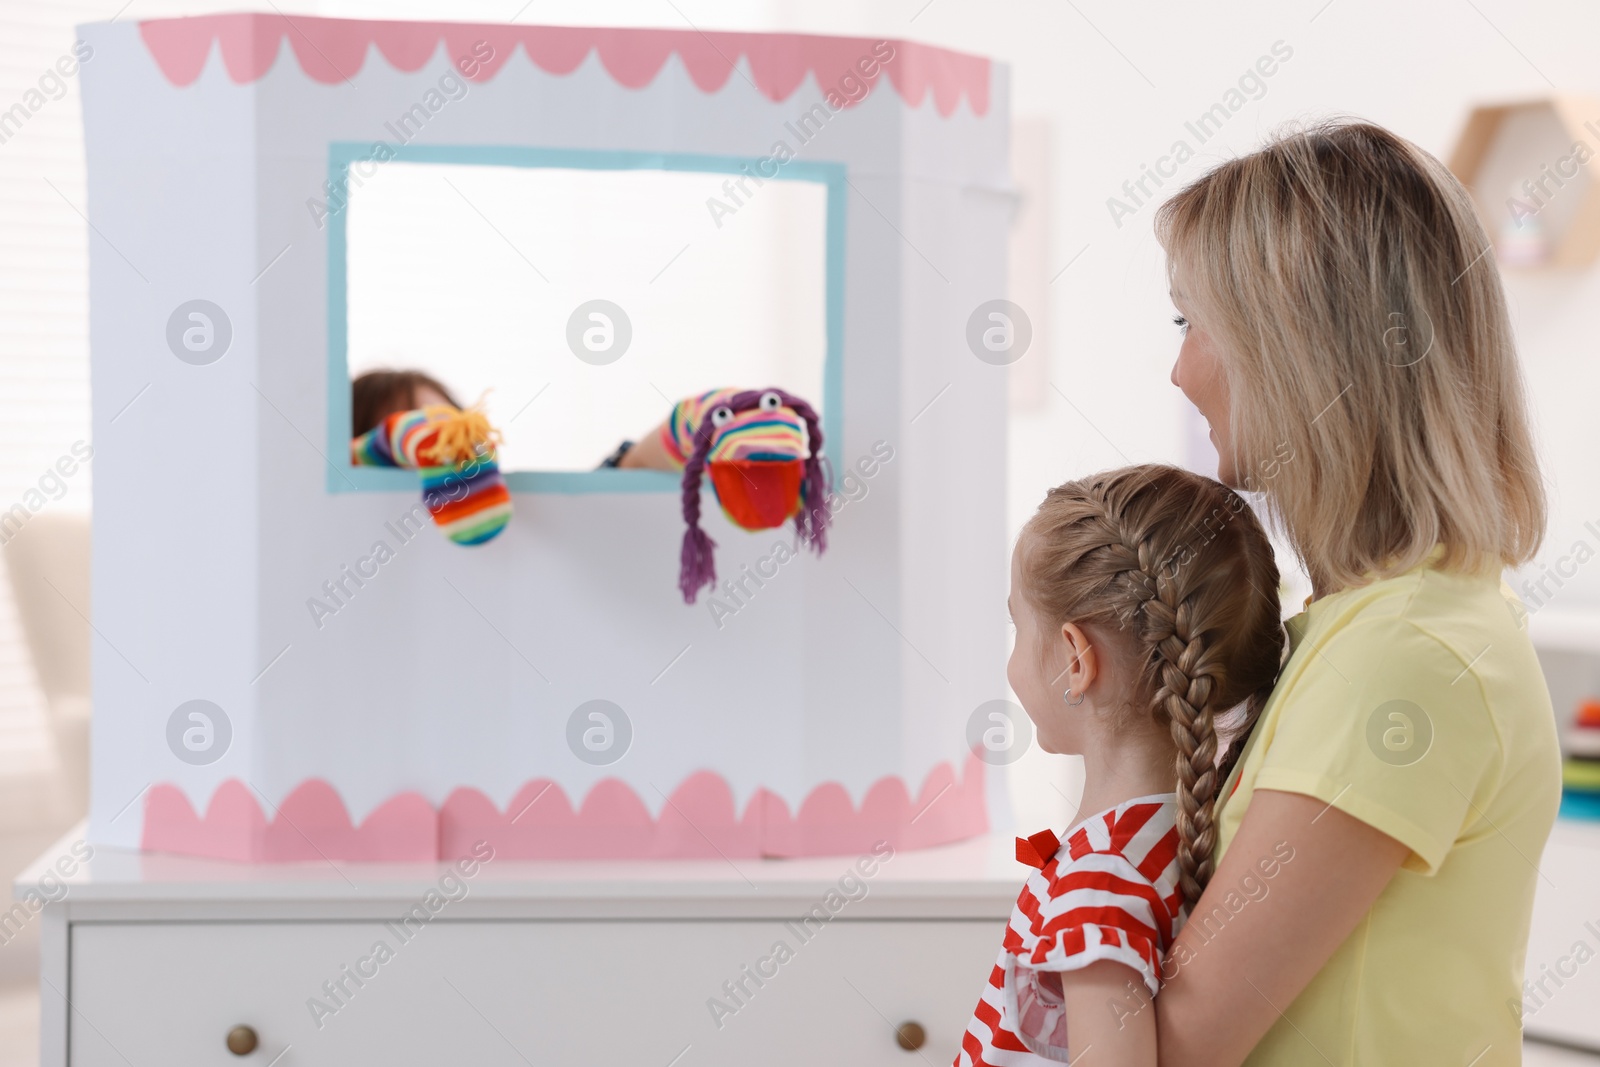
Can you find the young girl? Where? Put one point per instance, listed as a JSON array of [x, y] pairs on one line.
[[378, 394], [1145, 603]]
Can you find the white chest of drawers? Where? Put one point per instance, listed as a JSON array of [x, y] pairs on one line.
[[654, 964]]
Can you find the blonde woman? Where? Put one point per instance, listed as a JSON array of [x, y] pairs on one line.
[[1347, 340]]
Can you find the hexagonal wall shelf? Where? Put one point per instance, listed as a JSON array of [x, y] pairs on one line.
[[1530, 167]]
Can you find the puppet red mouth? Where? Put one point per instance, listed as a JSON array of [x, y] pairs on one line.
[[758, 494]]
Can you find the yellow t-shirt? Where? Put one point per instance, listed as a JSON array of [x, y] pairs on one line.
[[1415, 704]]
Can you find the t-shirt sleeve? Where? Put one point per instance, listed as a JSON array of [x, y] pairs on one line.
[[1099, 908], [375, 448], [1389, 725]]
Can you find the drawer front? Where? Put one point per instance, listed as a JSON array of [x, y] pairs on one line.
[[655, 994]]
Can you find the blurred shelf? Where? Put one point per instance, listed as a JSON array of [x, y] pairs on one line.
[[1526, 139], [1563, 912], [1579, 838], [1565, 629]]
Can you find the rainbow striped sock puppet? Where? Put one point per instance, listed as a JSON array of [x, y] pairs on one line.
[[763, 451], [454, 452]]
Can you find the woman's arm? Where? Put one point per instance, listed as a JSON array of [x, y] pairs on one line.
[[1236, 975], [1107, 1021], [648, 452]]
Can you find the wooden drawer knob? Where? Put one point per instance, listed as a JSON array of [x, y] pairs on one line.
[[242, 1040], [910, 1036]]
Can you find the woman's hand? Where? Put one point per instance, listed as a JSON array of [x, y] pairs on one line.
[[1237, 974]]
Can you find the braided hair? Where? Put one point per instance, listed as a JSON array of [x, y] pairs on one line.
[[1176, 577]]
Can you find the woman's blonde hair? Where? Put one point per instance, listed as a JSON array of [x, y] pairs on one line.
[[1172, 573], [1358, 314]]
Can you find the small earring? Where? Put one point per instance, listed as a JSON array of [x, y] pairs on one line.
[[1067, 696]]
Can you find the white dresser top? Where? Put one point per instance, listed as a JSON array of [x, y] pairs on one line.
[[970, 879]]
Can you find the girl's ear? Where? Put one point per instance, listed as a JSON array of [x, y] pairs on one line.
[[1083, 664]]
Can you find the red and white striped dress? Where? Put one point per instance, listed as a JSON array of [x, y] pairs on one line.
[[1109, 893]]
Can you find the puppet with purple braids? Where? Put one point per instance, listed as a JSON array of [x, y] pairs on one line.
[[763, 451]]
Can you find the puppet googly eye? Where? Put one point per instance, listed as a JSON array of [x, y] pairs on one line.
[[722, 416], [771, 401]]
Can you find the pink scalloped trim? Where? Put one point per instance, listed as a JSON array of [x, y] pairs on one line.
[[699, 820], [333, 50], [310, 824]]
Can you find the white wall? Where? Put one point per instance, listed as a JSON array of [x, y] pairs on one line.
[[44, 395], [1118, 82]]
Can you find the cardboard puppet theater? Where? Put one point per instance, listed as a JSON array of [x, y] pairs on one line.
[[773, 648]]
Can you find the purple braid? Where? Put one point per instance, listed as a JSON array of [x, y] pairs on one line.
[[811, 521], [696, 565]]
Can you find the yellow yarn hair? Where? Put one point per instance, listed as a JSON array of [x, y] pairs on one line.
[[461, 435]]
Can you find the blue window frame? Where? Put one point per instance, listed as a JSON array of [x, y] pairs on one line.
[[345, 477]]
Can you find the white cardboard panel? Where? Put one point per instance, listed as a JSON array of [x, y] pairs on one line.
[[460, 666]]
